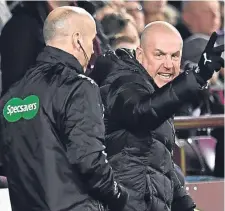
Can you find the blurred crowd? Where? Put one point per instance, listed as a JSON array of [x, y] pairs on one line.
[[119, 25]]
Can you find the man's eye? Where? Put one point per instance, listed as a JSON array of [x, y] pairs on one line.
[[175, 56], [160, 55]]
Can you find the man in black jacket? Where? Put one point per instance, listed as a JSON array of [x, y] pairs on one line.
[[52, 126], [140, 96]]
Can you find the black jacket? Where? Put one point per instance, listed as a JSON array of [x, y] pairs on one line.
[[51, 139], [139, 132]]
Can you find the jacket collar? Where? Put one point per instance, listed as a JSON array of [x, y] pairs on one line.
[[129, 57], [54, 55]]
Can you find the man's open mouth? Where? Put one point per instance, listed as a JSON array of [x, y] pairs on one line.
[[166, 76]]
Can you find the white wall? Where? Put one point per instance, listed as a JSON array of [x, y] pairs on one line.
[[4, 200]]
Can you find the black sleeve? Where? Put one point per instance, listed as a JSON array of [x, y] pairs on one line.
[[181, 200], [20, 44], [85, 130], [2, 173], [131, 104], [1, 165]]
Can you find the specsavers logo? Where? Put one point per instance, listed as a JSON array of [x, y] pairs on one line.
[[16, 108]]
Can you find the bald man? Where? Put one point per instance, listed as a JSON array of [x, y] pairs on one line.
[[52, 126], [160, 58], [199, 17], [141, 96]]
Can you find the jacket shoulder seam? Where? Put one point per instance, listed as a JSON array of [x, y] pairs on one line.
[[87, 79]]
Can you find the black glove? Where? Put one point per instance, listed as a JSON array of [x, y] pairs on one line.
[[119, 201], [185, 204], [210, 61]]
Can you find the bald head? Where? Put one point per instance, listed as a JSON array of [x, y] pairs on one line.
[[159, 30], [63, 21], [71, 29], [201, 16], [190, 6], [160, 51]]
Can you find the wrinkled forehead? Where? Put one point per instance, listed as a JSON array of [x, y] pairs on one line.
[[168, 43]]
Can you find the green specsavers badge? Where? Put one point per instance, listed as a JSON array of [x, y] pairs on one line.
[[16, 108]]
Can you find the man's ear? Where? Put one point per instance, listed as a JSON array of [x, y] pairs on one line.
[[76, 40], [139, 54]]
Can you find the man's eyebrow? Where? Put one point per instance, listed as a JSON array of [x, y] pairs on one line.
[[162, 52], [178, 52]]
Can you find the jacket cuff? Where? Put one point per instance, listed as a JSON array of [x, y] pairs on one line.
[[119, 200], [185, 204], [185, 86]]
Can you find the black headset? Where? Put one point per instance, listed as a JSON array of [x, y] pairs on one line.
[[85, 55]]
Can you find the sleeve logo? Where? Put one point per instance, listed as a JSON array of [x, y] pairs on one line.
[[16, 108]]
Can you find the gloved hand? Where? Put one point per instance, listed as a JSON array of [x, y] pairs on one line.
[[210, 61], [185, 204], [119, 201]]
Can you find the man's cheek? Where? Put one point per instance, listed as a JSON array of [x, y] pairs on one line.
[[177, 69]]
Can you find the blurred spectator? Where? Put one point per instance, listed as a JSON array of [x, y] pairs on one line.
[[5, 14], [22, 39], [176, 4], [124, 42], [199, 17], [160, 11], [112, 21], [119, 5], [105, 9], [153, 10], [113, 24], [171, 14], [129, 17], [130, 31], [134, 8]]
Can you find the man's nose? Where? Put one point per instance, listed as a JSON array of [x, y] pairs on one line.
[[168, 64]]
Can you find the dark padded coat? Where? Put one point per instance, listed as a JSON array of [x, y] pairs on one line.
[[140, 133], [51, 139]]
